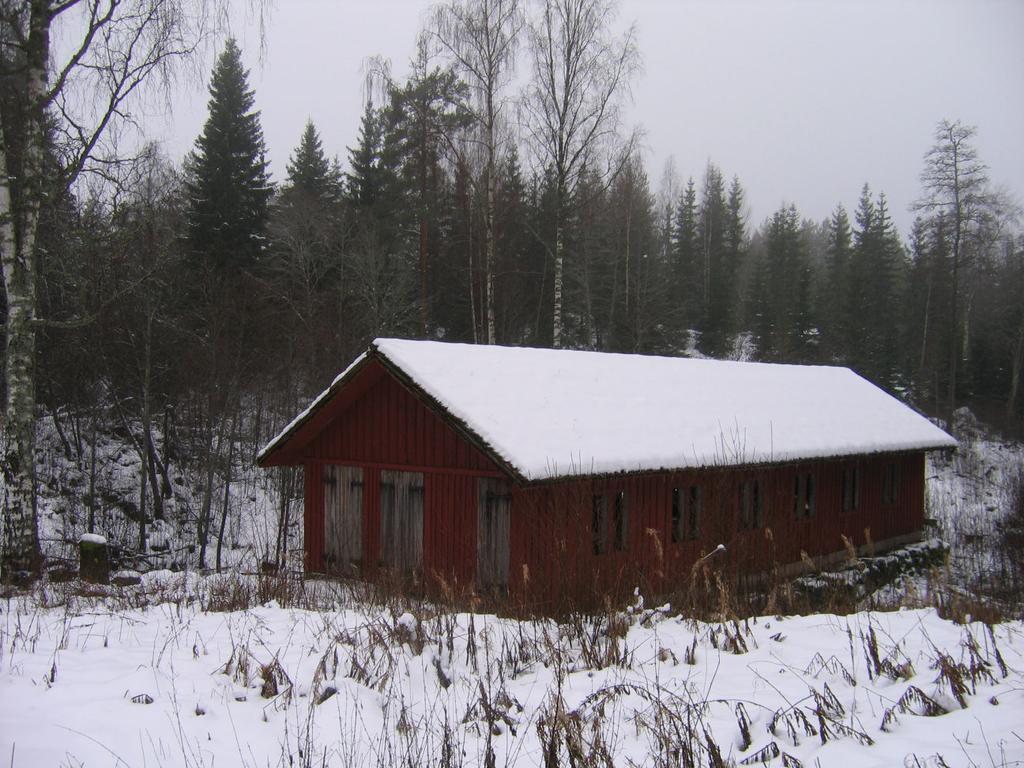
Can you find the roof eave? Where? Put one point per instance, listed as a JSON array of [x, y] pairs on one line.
[[280, 451]]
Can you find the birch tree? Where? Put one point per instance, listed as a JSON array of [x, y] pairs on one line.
[[481, 37], [580, 74], [63, 106], [955, 184]]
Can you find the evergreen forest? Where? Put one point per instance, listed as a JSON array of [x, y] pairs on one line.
[[497, 195]]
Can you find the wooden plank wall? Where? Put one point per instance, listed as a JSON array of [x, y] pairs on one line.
[[401, 521], [494, 508], [313, 517], [551, 541], [389, 427], [343, 519], [449, 534]]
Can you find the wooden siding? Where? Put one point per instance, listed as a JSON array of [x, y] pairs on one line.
[[313, 518], [389, 427], [553, 553], [401, 521], [343, 519], [494, 508], [449, 533], [385, 430]]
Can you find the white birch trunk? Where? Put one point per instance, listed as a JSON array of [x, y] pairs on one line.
[[18, 222]]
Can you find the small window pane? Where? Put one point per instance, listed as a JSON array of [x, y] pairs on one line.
[[677, 516], [695, 505], [751, 505], [621, 522], [598, 524]]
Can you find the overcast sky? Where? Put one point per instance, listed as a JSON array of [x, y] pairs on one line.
[[804, 100]]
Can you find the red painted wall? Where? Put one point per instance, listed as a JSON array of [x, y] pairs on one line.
[[552, 550], [386, 426], [389, 428]]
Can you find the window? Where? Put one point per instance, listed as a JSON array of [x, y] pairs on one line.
[[599, 524], [851, 488], [677, 516], [695, 509], [686, 514], [804, 496], [889, 484], [751, 505], [621, 521]]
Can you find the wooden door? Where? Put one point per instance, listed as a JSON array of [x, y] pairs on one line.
[[401, 521], [494, 508], [343, 518]]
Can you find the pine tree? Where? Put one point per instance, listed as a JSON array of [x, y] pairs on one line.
[[711, 218], [686, 263], [363, 182], [228, 184], [722, 315], [519, 266], [854, 297], [883, 314], [423, 117], [310, 174], [782, 318], [870, 315], [830, 301]]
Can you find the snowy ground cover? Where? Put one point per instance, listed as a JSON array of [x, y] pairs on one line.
[[250, 506], [970, 492], [96, 682]]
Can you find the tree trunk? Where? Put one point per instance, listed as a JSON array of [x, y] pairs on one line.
[[492, 192], [286, 488], [92, 473], [19, 217], [1015, 371], [213, 451], [144, 452], [227, 489], [556, 314], [924, 330], [424, 234]]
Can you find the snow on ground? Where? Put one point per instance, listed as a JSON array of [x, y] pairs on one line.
[[64, 500], [96, 683], [969, 493]]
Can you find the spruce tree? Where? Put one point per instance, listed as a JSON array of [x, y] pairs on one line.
[[519, 264], [310, 174], [883, 316], [228, 184], [782, 326], [711, 219], [722, 315], [869, 306], [855, 286], [686, 262], [830, 302], [362, 182]]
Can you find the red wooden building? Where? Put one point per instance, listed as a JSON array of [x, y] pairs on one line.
[[555, 473]]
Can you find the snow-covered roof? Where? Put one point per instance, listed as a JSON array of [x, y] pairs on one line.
[[550, 413]]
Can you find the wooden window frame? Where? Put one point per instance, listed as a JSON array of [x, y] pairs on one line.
[[695, 509], [751, 504], [687, 509], [890, 484], [599, 523], [620, 522], [850, 488], [805, 496], [676, 519]]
